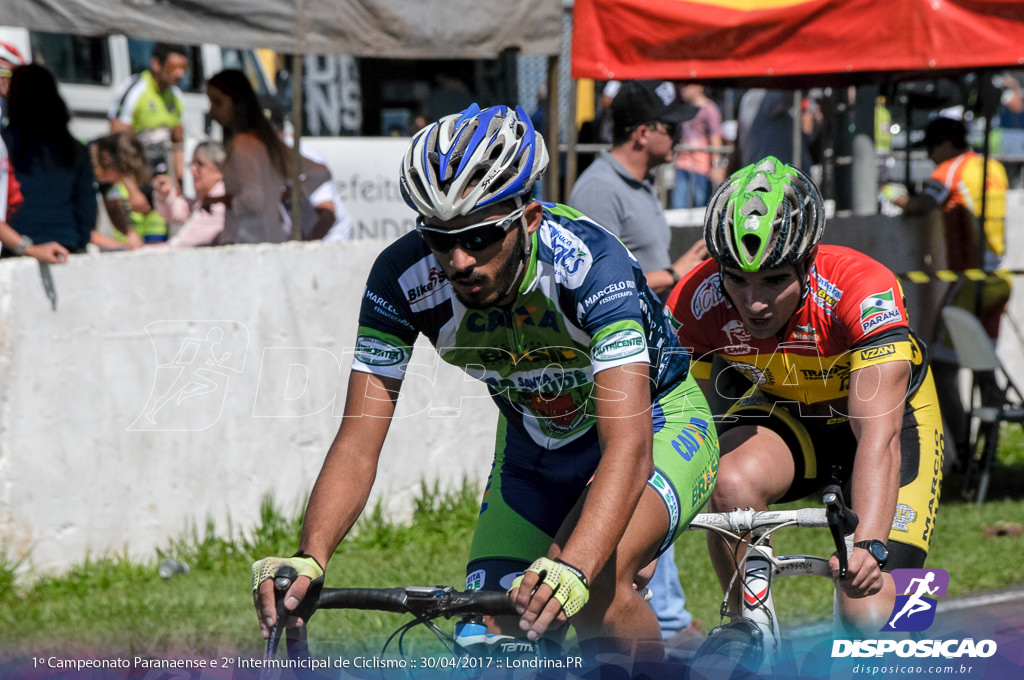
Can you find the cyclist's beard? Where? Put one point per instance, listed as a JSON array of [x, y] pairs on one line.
[[505, 280]]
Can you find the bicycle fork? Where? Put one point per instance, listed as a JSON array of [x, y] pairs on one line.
[[757, 604]]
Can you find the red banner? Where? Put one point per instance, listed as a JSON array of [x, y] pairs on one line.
[[751, 39]]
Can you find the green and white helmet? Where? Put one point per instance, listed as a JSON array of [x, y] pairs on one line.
[[765, 216]]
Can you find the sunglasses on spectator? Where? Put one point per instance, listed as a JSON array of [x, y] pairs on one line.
[[6, 73], [473, 238], [670, 129]]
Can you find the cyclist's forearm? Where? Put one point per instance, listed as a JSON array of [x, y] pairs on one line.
[[875, 487], [337, 500], [624, 427], [876, 421], [610, 504], [347, 475]]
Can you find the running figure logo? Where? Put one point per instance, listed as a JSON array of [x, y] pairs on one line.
[[915, 608], [192, 373]]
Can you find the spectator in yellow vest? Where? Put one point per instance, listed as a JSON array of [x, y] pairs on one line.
[[956, 187]]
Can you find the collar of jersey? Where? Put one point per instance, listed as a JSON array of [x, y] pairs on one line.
[[530, 278]]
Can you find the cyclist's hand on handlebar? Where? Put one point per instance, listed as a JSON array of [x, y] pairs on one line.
[[307, 576], [549, 591], [863, 576]]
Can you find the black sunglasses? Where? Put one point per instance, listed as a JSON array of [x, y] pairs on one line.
[[671, 129], [473, 238]]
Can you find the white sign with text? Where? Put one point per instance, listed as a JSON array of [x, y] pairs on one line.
[[365, 170]]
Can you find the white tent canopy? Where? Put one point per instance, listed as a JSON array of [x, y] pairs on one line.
[[396, 29]]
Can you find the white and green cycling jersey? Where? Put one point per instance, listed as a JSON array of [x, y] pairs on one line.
[[584, 306]]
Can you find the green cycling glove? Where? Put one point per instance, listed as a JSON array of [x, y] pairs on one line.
[[304, 565], [267, 568]]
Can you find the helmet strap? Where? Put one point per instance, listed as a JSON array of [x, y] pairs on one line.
[[805, 280], [526, 245]]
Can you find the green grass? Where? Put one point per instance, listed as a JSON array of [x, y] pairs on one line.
[[111, 605]]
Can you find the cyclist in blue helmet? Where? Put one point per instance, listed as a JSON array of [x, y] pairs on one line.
[[605, 447]]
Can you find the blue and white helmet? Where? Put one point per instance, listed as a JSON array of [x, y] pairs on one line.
[[470, 160]]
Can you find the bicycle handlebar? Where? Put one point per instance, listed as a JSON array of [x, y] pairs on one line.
[[433, 601], [836, 515], [742, 521], [427, 601], [424, 602]]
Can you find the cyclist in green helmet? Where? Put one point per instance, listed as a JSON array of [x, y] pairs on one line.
[[837, 385]]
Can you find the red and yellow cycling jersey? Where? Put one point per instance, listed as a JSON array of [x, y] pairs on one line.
[[853, 316]]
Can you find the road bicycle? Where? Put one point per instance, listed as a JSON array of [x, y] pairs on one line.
[[470, 651], [752, 640]]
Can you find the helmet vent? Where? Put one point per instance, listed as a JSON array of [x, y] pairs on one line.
[[755, 205], [470, 160], [759, 182], [750, 243], [764, 216]]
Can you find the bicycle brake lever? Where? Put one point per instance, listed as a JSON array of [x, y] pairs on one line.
[[842, 521], [283, 580]]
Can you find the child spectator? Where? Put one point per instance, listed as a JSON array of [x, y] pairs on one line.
[[120, 162]]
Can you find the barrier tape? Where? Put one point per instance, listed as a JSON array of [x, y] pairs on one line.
[[950, 276]]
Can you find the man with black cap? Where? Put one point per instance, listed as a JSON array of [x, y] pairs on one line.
[[956, 187], [617, 190]]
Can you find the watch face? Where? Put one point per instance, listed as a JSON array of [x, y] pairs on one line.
[[876, 549]]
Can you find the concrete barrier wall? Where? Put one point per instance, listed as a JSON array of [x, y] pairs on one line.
[[172, 387]]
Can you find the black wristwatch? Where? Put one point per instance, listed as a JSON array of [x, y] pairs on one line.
[[877, 550]]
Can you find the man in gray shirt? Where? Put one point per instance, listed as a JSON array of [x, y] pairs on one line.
[[617, 190]]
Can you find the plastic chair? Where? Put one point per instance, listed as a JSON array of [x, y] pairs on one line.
[[975, 352]]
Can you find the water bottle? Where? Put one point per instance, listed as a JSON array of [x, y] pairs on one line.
[[472, 638], [169, 568], [470, 630]]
